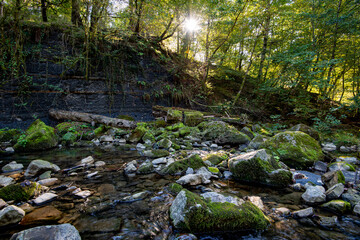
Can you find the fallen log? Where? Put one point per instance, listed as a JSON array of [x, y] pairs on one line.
[[91, 118]]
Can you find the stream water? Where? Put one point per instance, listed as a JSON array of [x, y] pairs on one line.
[[111, 212]]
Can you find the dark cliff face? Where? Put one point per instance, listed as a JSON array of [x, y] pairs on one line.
[[121, 81]]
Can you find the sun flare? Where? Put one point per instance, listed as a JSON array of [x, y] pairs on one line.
[[192, 25]]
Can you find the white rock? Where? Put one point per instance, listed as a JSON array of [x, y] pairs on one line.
[[329, 147], [214, 145], [83, 194], [46, 197], [178, 209], [345, 149], [356, 209], [191, 179], [87, 161], [10, 215], [99, 164], [335, 191], [39, 166], [9, 150], [159, 161], [122, 141], [256, 201], [140, 146], [189, 170], [314, 194], [308, 212], [5, 181], [106, 138], [90, 175], [131, 167], [227, 174], [350, 160], [48, 182], [2, 203], [217, 197], [283, 211], [12, 166]]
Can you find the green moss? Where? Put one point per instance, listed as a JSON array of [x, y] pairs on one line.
[[216, 158], [337, 206], [194, 162], [280, 178], [184, 131], [148, 136], [69, 138], [176, 146], [156, 153], [19, 192], [345, 165], [174, 116], [126, 117], [175, 188], [100, 130], [175, 127], [160, 123], [138, 133], [296, 149], [341, 177], [146, 168], [223, 133], [11, 135], [213, 170], [193, 118]]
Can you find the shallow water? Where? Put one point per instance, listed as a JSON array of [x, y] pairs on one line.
[[106, 215]]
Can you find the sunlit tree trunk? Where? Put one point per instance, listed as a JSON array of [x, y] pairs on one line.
[[266, 31]]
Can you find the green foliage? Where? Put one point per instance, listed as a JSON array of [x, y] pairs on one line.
[[325, 125]]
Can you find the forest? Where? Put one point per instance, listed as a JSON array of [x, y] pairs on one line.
[[180, 119]]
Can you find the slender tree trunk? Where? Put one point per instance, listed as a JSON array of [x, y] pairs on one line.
[[44, 10], [75, 13], [1, 8], [139, 10], [266, 32]]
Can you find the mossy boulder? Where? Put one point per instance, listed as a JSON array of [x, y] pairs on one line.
[[126, 117], [38, 136], [175, 127], [20, 192], [9, 135], [174, 116], [184, 131], [337, 206], [193, 118], [191, 212], [343, 166], [156, 153], [145, 168], [216, 157], [248, 132], [164, 143], [223, 133], [194, 162], [138, 133], [101, 130], [306, 129], [259, 167], [296, 149], [257, 141], [69, 138], [175, 188], [148, 136]]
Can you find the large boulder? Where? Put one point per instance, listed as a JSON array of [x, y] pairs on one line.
[[332, 178], [314, 195], [191, 212], [337, 206], [296, 149], [223, 133], [137, 134], [9, 135], [11, 215], [306, 129], [37, 167], [38, 136], [54, 232], [20, 192], [259, 167], [193, 118]]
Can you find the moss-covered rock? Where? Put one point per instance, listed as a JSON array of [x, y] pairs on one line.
[[164, 143], [184, 131], [193, 118], [257, 141], [174, 116], [214, 170], [175, 188], [194, 162], [100, 130], [259, 167], [9, 135], [343, 166], [306, 129], [175, 127], [156, 153], [148, 136], [296, 149], [138, 133], [20, 192], [126, 117], [69, 138], [337, 206], [192, 213], [222, 133], [248, 132], [145, 168], [216, 157], [38, 136]]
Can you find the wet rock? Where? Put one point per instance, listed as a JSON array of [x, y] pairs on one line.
[[188, 211], [130, 167], [159, 161], [327, 222], [259, 167], [12, 166], [185, 236], [296, 187], [328, 147], [337, 206], [99, 164], [256, 201], [295, 149], [140, 208], [350, 160], [20, 192], [2, 203], [87, 161], [54, 232], [283, 211], [140, 146], [332, 178], [352, 196], [5, 181], [27, 207], [192, 180], [135, 197], [345, 149], [83, 194], [45, 198], [156, 153], [42, 215], [314, 194], [145, 168], [342, 166], [320, 166], [45, 175], [106, 139], [257, 141], [10, 215], [37, 167], [106, 188], [335, 191], [92, 175], [303, 213], [356, 209], [227, 174], [93, 224], [220, 198], [179, 167]]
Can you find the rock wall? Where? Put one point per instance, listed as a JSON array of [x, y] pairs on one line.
[[53, 85]]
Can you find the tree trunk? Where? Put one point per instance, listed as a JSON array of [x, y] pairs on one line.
[[44, 11], [266, 32], [91, 118], [75, 13]]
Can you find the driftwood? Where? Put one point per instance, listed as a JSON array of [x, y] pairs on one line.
[[91, 118]]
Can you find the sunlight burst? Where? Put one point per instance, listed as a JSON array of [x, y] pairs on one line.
[[192, 25]]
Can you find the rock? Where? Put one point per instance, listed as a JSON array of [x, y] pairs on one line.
[[342, 166], [216, 157], [54, 232], [137, 133], [227, 174], [87, 161], [106, 138], [2, 203], [314, 194], [45, 175], [12, 166], [256, 201], [164, 143], [328, 147], [189, 171], [296, 187], [304, 177], [145, 168], [11, 215], [190, 212], [259, 167], [39, 136], [45, 198], [345, 149], [99, 164], [42, 215], [327, 222], [92, 175], [27, 207], [159, 161], [20, 192], [257, 141], [332, 178], [174, 116], [295, 149], [223, 133], [95, 225], [5, 181], [356, 209], [194, 162], [37, 167], [320, 166], [303, 213], [191, 179], [337, 206], [193, 118], [352, 196], [335, 191], [283, 211], [306, 129], [349, 160], [11, 135], [220, 198], [130, 167], [83, 194], [185, 236], [156, 153], [135, 197], [48, 182]]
